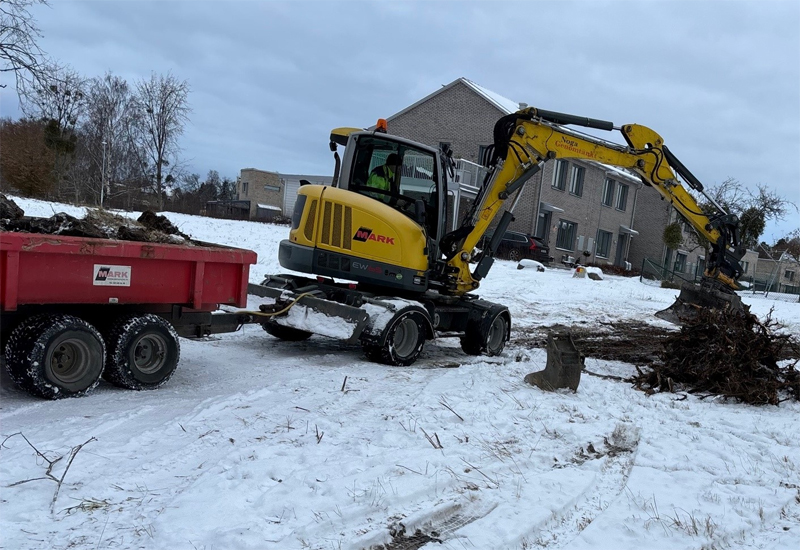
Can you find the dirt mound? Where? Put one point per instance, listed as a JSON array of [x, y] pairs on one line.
[[9, 209], [98, 224]]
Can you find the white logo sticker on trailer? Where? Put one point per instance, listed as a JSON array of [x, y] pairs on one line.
[[111, 275]]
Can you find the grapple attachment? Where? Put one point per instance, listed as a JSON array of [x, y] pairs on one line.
[[695, 297]]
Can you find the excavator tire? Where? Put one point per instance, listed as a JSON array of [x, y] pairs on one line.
[[401, 342], [488, 338]]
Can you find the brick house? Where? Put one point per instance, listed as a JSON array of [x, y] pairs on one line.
[[777, 272], [575, 206]]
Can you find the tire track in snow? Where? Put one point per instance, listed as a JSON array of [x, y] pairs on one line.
[[568, 523]]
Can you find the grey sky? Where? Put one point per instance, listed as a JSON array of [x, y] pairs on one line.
[[719, 80]]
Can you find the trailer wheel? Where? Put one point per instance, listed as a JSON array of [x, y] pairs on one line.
[[401, 341], [289, 334], [143, 352], [487, 338], [55, 356]]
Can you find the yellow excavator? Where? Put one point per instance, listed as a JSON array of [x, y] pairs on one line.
[[389, 274]]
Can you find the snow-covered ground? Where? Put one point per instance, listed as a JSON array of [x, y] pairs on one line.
[[259, 444]]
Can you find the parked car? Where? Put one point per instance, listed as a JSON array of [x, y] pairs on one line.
[[515, 246]]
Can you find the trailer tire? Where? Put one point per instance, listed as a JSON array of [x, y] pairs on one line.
[[143, 352], [401, 342], [55, 356], [285, 333], [487, 338]]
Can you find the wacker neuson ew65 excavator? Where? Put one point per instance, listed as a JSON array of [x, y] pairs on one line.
[[403, 278]]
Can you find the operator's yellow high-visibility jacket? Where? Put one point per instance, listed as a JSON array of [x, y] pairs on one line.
[[380, 178]]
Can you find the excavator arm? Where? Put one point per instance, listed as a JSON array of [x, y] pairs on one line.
[[528, 138]]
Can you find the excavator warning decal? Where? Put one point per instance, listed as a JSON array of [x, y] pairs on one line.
[[365, 234]]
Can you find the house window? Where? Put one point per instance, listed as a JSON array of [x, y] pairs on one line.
[[603, 243], [789, 275], [745, 266], [701, 266], [565, 239], [272, 188], [622, 196], [576, 181], [608, 192], [245, 185], [560, 175], [680, 262]]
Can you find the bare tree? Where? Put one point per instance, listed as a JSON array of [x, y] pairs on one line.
[[60, 98], [162, 109], [109, 114], [19, 52], [753, 208]]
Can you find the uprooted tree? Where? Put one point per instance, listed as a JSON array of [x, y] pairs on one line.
[[728, 354]]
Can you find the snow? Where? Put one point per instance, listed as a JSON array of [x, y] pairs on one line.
[[530, 263], [257, 443], [503, 103]]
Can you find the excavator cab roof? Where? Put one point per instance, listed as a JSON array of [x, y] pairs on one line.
[[339, 135]]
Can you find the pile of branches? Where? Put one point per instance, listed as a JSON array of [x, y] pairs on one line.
[[99, 224], [729, 354]]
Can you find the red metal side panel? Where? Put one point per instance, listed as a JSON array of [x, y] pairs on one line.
[[60, 270]]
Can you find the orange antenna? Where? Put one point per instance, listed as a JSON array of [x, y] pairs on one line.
[[381, 126]]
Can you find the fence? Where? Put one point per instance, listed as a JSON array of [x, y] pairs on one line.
[[771, 285], [655, 271]]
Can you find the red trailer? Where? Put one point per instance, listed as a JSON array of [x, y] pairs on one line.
[[73, 308]]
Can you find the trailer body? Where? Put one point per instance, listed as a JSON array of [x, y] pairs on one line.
[[130, 298]]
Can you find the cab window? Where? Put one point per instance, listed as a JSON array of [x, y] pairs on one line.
[[416, 179]]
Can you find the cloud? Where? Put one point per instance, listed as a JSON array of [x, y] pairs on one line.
[[720, 81]]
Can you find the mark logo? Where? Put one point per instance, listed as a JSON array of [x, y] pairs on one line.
[[112, 275], [365, 234]]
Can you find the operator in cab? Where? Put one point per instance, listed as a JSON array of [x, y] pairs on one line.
[[384, 177]]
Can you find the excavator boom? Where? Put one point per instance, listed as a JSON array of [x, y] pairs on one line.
[[528, 138]]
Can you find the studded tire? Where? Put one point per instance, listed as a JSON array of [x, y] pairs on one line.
[[55, 356], [401, 342], [143, 352]]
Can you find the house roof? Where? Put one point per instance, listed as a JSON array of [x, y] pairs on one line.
[[506, 107], [502, 104]]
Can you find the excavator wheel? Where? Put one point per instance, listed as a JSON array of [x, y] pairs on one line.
[[487, 338], [401, 341]]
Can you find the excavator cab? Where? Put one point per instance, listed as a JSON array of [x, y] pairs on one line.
[[376, 236], [415, 188]]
